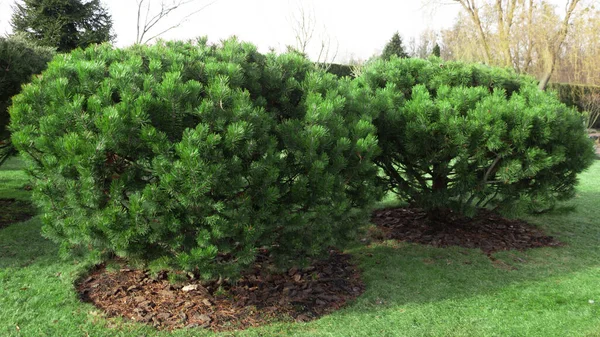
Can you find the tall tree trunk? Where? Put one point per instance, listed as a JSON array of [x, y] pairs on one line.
[[554, 45], [530, 44], [505, 22], [471, 8]]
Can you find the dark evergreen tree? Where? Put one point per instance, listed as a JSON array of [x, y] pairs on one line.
[[436, 50], [63, 24], [394, 47]]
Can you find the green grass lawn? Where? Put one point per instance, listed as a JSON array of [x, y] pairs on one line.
[[412, 290]]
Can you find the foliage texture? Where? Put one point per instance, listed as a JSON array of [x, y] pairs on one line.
[[63, 24], [458, 136], [195, 157]]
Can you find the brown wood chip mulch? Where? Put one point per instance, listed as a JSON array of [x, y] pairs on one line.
[[257, 298], [12, 211], [487, 231]]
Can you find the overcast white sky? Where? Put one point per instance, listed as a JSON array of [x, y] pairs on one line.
[[361, 28]]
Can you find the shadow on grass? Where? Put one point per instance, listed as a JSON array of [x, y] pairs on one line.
[[399, 273], [22, 245]]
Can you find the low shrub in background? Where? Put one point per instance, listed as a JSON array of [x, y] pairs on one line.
[[460, 136], [20, 59], [586, 98], [193, 157]]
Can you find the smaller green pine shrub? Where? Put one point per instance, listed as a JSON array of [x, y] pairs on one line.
[[458, 136], [193, 157]]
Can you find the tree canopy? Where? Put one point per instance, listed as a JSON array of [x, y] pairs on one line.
[[436, 50], [63, 24], [394, 47]]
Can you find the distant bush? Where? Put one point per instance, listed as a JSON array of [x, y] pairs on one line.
[[340, 70], [19, 60], [583, 97], [194, 157], [457, 137]]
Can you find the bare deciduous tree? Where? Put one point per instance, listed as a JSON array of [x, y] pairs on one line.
[[149, 18], [327, 52], [304, 25], [423, 46], [555, 44], [357, 65], [527, 35], [591, 107]]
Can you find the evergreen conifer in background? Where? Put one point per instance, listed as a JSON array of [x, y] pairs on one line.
[[63, 24], [436, 51], [394, 47]]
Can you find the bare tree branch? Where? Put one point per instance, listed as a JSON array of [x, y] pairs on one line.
[[150, 21], [304, 25], [556, 43]]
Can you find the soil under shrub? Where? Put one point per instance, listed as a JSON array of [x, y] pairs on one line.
[[257, 298], [487, 231]]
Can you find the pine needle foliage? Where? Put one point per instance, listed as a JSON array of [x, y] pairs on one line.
[[459, 137], [195, 157]]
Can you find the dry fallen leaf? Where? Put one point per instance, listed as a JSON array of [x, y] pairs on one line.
[[190, 287]]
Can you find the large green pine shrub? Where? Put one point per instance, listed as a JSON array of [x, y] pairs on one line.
[[458, 137], [194, 157], [20, 59]]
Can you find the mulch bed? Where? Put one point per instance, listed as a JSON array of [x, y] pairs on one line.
[[257, 298], [487, 231], [12, 211]]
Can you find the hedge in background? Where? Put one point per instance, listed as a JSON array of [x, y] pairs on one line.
[[19, 60], [456, 136], [194, 157], [582, 97], [340, 70]]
